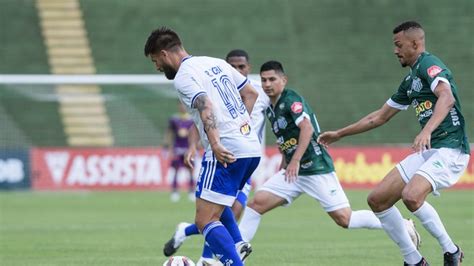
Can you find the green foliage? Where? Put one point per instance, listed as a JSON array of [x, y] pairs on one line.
[[130, 228]]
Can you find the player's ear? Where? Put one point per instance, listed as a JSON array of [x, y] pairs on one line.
[[164, 53]]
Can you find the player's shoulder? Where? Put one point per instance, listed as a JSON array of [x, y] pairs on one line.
[[208, 60], [291, 95], [430, 63]]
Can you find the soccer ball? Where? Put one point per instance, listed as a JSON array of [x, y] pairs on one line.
[[178, 261]]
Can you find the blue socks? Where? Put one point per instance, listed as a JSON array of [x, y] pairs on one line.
[[228, 220], [221, 243], [191, 230]]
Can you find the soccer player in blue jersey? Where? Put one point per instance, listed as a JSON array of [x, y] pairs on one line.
[[441, 149], [220, 100]]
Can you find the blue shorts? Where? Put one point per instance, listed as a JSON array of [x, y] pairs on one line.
[[220, 185]]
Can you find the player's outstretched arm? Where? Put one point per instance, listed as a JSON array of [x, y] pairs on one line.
[[209, 120], [370, 121], [249, 97]]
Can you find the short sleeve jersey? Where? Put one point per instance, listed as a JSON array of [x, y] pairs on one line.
[[221, 83], [180, 126], [417, 90], [285, 116]]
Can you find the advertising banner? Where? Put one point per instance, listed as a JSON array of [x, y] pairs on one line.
[[148, 168], [97, 168], [14, 169]]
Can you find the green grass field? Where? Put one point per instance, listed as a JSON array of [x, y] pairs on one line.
[[130, 228]]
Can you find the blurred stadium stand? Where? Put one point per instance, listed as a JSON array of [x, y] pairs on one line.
[[338, 54]]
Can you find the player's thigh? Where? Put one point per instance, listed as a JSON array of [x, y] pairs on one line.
[[264, 201], [277, 188], [387, 192], [206, 212], [326, 189]]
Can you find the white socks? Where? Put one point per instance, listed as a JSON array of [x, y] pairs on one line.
[[249, 224], [431, 221], [394, 225], [364, 219]]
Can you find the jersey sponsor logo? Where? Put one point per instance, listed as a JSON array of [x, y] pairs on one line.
[[280, 140], [423, 107], [281, 121], [416, 84], [424, 110], [434, 70], [245, 129], [289, 145], [275, 127], [454, 117], [297, 107], [306, 165]]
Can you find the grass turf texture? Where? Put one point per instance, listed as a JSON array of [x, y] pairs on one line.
[[130, 228]]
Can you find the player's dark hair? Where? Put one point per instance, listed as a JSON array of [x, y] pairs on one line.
[[162, 39], [237, 53], [406, 26], [272, 65]]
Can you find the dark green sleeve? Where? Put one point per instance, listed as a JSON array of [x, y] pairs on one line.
[[400, 97]]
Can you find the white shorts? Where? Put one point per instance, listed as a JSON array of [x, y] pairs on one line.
[[324, 188], [441, 167]]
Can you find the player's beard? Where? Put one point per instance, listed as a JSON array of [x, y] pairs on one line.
[[170, 73]]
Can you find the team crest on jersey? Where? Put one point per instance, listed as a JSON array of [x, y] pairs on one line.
[[297, 107], [281, 121], [245, 129], [416, 84], [434, 70]]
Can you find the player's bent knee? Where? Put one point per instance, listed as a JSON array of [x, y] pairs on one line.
[[342, 222], [411, 201], [375, 203], [259, 203], [372, 201], [342, 217]]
